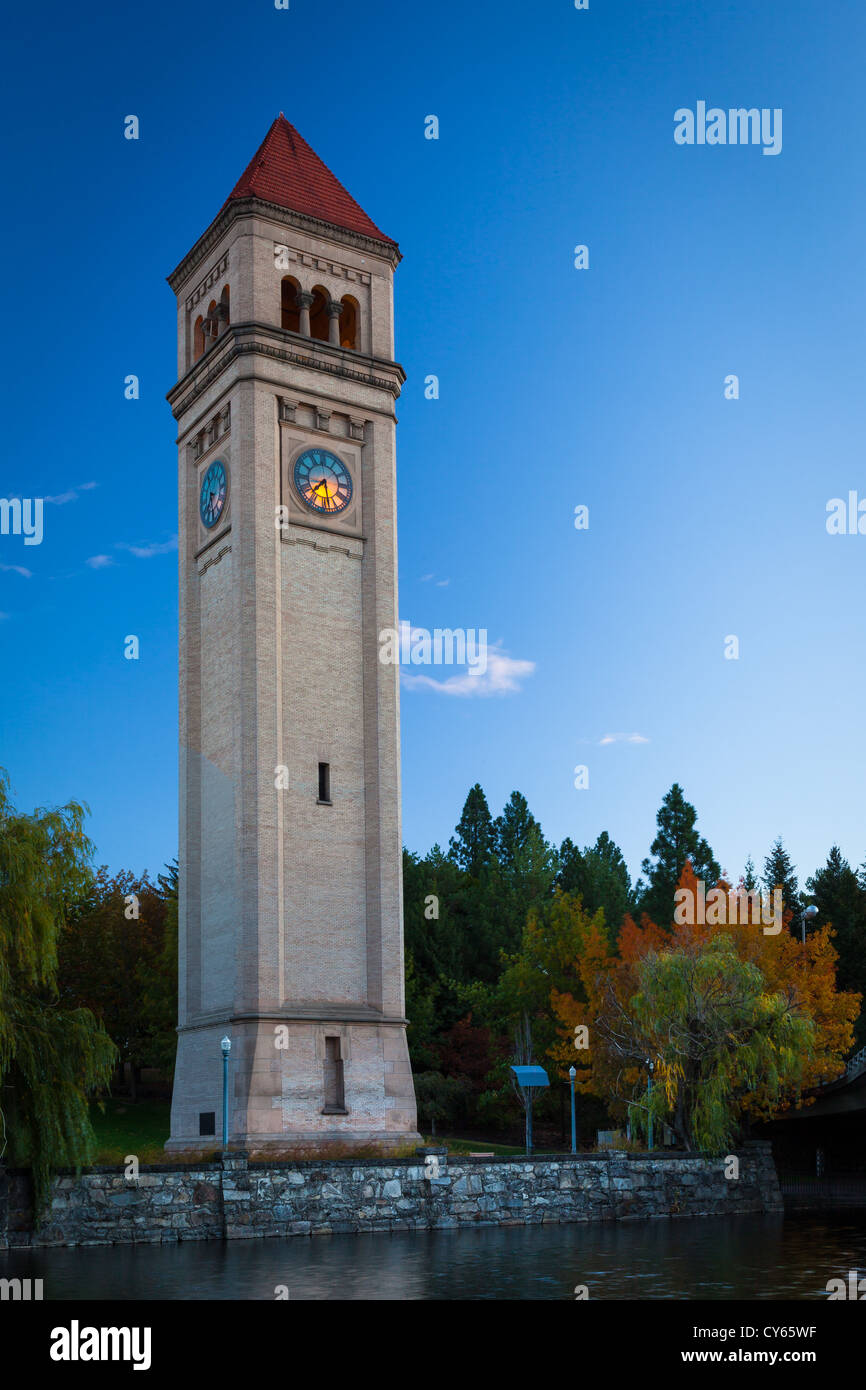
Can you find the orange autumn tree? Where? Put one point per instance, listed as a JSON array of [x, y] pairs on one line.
[[795, 983]]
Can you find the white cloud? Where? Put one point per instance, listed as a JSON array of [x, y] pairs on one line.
[[622, 738], [71, 496], [99, 562], [502, 677], [144, 552], [17, 569]]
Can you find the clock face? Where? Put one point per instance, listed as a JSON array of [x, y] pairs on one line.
[[323, 482], [214, 490]]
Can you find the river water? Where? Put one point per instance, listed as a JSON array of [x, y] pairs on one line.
[[748, 1257]]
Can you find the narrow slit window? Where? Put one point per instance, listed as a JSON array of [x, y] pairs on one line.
[[324, 781], [335, 1098]]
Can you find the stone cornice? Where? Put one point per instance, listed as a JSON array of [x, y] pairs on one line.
[[252, 207], [314, 1013], [267, 340]]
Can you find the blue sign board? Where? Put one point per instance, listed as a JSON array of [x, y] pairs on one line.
[[531, 1076]]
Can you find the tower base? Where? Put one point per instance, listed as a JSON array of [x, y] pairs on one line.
[[291, 1090]]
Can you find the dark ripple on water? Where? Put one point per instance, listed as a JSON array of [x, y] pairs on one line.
[[748, 1257]]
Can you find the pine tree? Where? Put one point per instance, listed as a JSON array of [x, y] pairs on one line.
[[599, 874], [512, 829], [472, 844], [677, 840], [779, 873], [840, 897], [750, 876], [533, 870], [571, 874]]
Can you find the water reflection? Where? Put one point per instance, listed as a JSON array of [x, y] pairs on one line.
[[750, 1257]]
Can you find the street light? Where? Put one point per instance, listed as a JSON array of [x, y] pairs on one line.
[[649, 1136], [572, 1074], [226, 1045], [811, 913]]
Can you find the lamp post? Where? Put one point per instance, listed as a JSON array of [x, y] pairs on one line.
[[226, 1045], [572, 1074], [649, 1089], [810, 913]]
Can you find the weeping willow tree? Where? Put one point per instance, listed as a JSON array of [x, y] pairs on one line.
[[713, 1031], [51, 1058]]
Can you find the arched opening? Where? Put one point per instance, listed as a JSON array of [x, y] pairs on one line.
[[319, 314], [198, 339], [210, 325], [349, 323], [223, 310], [290, 314]]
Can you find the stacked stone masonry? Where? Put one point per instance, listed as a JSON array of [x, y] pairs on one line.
[[235, 1199]]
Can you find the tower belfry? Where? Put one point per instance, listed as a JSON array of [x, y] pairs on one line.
[[290, 914]]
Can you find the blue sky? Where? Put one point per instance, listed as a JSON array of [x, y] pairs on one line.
[[558, 387]]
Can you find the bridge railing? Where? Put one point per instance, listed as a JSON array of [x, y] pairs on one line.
[[855, 1064], [831, 1191], [853, 1067]]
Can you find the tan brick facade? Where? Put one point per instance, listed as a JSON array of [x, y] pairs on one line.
[[290, 910]]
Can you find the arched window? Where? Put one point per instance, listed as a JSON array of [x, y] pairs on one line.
[[210, 325], [319, 314], [198, 339], [290, 314], [223, 314], [349, 323]]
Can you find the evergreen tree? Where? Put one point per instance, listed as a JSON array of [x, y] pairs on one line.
[[677, 840], [779, 873], [533, 871], [112, 960], [421, 1014], [572, 876], [472, 844], [750, 876], [599, 874], [432, 889], [840, 897], [159, 984], [512, 829]]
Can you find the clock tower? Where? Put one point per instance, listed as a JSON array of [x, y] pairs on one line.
[[290, 917]]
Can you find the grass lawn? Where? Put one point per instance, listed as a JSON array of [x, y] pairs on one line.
[[473, 1146], [141, 1127], [123, 1127]]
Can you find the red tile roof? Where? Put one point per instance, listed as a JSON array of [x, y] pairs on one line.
[[285, 170]]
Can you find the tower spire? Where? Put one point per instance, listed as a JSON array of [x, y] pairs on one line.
[[285, 170]]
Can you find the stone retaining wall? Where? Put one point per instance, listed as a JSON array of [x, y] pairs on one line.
[[236, 1199]]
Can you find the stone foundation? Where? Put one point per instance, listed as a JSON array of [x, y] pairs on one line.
[[236, 1199]]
